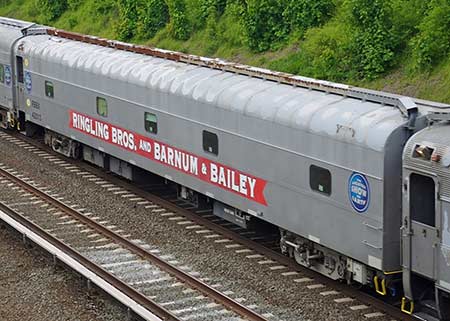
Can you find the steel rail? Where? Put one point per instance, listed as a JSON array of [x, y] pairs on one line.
[[207, 290], [258, 248], [94, 268]]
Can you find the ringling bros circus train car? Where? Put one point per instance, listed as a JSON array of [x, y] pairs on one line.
[[321, 161]]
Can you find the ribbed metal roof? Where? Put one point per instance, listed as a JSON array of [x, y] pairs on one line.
[[347, 119], [10, 30]]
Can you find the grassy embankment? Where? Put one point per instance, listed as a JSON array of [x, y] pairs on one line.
[[323, 50]]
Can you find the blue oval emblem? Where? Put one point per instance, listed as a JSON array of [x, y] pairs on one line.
[[8, 75], [359, 192], [28, 82]]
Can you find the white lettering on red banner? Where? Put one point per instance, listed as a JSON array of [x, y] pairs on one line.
[[214, 173]]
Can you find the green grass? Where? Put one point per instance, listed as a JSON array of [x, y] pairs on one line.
[[296, 55]]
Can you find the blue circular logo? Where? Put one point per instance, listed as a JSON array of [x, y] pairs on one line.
[[28, 82], [8, 77], [359, 192]]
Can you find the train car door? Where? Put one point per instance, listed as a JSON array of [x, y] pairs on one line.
[[20, 82], [423, 233]]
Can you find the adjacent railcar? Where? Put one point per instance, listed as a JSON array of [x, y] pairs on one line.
[[11, 32], [426, 217], [320, 161]]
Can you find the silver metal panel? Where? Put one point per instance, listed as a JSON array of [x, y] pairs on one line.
[[367, 124], [444, 250], [438, 138], [94, 156], [270, 130], [9, 32], [121, 168], [423, 249]]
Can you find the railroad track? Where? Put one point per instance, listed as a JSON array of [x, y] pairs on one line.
[[165, 291], [219, 231]]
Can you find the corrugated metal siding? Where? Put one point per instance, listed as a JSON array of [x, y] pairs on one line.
[[437, 137]]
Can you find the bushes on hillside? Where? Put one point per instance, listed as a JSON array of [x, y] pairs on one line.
[[373, 44], [264, 24], [325, 52], [128, 18], [407, 18], [304, 14], [432, 43], [141, 18], [207, 6], [268, 22], [333, 39], [154, 16], [51, 9], [179, 25]]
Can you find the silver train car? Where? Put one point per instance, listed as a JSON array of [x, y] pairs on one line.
[[426, 217], [320, 161]]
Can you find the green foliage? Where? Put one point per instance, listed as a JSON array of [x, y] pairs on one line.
[[268, 22], [179, 26], [264, 24], [51, 9], [373, 44], [304, 14], [405, 22], [328, 53], [73, 4], [101, 7], [432, 44], [356, 41], [154, 16], [128, 18], [230, 27], [206, 6]]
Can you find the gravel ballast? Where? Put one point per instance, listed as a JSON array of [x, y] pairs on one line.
[[268, 289], [31, 289]]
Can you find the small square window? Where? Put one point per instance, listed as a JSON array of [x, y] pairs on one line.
[[2, 74], [49, 90], [102, 107], [320, 179], [210, 143], [423, 152], [151, 123]]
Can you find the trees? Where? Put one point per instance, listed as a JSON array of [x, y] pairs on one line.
[[154, 16], [373, 43], [264, 24], [341, 40], [432, 43], [128, 18], [51, 9], [179, 25]]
